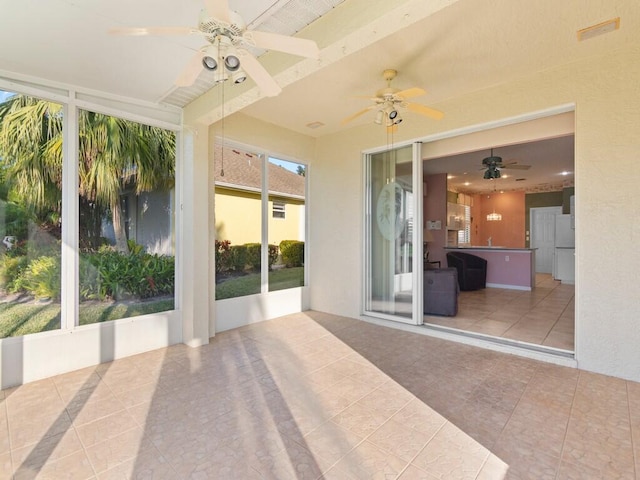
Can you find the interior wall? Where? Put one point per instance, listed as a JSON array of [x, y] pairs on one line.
[[435, 209], [508, 232], [606, 93]]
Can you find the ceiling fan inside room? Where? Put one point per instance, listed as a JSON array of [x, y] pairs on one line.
[[387, 102], [225, 52], [493, 164]]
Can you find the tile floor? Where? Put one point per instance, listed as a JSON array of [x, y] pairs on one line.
[[543, 316], [314, 395]]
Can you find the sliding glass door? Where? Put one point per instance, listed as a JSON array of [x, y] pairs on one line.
[[393, 224]]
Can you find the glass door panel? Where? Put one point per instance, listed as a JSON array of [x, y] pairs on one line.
[[389, 232]]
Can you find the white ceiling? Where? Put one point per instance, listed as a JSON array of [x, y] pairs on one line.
[[465, 47]]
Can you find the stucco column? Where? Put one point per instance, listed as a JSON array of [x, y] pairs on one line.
[[194, 238]]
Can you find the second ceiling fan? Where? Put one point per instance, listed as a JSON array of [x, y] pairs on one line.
[[387, 102], [493, 164]]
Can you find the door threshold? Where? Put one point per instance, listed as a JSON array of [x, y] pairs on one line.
[[532, 347]]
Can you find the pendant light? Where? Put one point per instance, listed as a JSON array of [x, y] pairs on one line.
[[494, 217]]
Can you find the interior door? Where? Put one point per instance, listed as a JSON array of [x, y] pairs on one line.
[[542, 227]]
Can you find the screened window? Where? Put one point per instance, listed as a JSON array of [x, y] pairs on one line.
[[278, 210]]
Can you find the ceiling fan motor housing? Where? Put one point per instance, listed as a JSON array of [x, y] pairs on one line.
[[492, 161]]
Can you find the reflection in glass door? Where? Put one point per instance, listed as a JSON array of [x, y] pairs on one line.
[[390, 284]]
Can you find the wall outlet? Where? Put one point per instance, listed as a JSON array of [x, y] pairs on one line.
[[506, 258]]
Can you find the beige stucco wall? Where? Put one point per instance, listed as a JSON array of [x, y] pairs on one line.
[[606, 94], [238, 218]]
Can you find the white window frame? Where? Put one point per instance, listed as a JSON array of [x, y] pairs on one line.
[[278, 208]]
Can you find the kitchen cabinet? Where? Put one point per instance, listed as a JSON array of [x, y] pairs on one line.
[[455, 216]]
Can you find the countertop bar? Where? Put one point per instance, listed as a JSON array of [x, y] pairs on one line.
[[506, 267]]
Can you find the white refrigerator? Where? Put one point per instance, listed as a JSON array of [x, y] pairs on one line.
[[564, 254]]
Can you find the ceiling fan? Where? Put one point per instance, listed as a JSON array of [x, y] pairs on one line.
[[387, 100], [493, 164], [226, 53]]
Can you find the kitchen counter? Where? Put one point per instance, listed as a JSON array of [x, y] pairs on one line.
[[512, 268]]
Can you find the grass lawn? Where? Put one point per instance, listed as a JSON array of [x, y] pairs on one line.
[[25, 318], [250, 284]]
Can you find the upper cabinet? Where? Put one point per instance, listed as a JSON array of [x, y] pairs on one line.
[[455, 216]]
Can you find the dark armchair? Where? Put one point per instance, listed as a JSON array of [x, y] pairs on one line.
[[472, 270]]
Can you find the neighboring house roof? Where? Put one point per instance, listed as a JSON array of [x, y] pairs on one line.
[[243, 170]]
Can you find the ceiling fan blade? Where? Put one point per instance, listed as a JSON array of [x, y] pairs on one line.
[[282, 43], [140, 31], [357, 114], [191, 71], [265, 82], [218, 9], [411, 92], [426, 111], [514, 166]]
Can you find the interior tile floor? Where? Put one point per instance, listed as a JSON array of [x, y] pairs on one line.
[[314, 395], [543, 316]]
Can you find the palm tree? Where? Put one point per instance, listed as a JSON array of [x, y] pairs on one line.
[[114, 155]]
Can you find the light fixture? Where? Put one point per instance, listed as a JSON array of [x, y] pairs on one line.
[[491, 172], [494, 217], [222, 51], [391, 112], [238, 76], [210, 59], [379, 117]]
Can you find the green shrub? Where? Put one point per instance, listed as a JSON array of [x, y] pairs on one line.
[[109, 274], [103, 274], [41, 278], [223, 255], [292, 252], [274, 251], [254, 255], [16, 221], [11, 268], [238, 258], [135, 248]]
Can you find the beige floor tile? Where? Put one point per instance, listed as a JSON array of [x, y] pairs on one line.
[[295, 463], [5, 445], [72, 467], [335, 399], [105, 428], [494, 468], [367, 461], [25, 431], [543, 316], [414, 473], [561, 340], [452, 454], [114, 451], [395, 438], [329, 443], [6, 467], [49, 449], [360, 419]]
